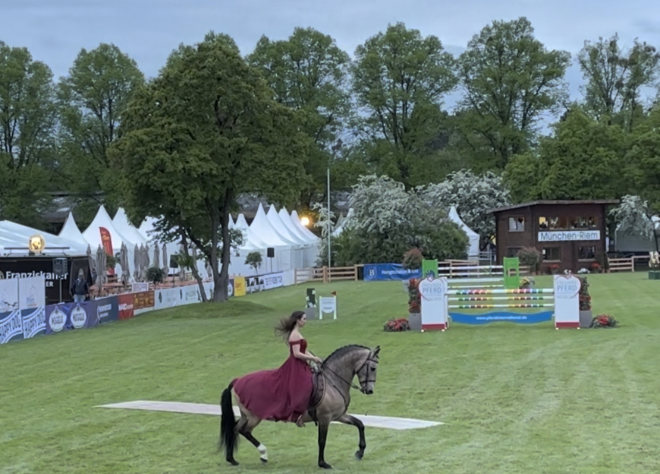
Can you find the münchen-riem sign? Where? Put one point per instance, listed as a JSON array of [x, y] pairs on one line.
[[566, 235]]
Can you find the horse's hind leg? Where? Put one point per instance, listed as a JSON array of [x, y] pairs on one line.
[[362, 444], [245, 426]]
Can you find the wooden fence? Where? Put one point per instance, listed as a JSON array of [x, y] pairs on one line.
[[326, 274], [621, 264]]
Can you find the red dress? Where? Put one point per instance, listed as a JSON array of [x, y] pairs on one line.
[[280, 394]]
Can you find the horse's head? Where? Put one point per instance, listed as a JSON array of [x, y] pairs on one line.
[[367, 372]]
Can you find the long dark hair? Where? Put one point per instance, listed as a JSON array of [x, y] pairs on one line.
[[286, 325]]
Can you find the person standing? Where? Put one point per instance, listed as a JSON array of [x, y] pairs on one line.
[[79, 288], [282, 394]]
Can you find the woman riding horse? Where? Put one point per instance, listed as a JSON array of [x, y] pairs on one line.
[[284, 394]]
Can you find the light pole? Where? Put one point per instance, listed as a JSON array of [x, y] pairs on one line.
[[329, 223]]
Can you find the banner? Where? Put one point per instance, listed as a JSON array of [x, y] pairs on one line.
[[125, 301], [106, 241], [389, 271], [68, 316], [239, 286]]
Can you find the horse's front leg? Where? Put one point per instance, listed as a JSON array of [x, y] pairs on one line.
[[323, 434], [362, 444]]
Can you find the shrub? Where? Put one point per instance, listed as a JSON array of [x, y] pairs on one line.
[[155, 274], [414, 298], [584, 296], [412, 259], [530, 256]]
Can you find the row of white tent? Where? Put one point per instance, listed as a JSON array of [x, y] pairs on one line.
[[284, 243]]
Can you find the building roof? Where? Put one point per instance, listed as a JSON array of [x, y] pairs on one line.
[[560, 202]]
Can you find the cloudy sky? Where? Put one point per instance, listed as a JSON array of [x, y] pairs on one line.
[[148, 30]]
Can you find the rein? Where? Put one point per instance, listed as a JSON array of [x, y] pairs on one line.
[[350, 382]]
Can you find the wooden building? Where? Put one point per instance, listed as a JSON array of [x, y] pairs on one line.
[[569, 234]]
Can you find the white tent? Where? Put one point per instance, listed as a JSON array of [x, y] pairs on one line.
[[71, 231], [128, 230], [14, 240], [297, 244], [473, 237], [283, 259], [625, 242], [93, 237], [311, 245]]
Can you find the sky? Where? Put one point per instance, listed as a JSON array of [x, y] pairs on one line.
[[54, 31]]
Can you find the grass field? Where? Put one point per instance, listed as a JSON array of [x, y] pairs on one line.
[[513, 398]]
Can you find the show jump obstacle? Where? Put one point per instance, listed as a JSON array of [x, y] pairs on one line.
[[464, 305]]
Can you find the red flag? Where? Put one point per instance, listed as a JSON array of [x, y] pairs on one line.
[[106, 240]]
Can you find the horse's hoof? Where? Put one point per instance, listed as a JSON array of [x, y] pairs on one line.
[[264, 461], [325, 465], [359, 454], [233, 462]]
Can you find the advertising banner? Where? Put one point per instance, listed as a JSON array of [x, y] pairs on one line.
[[11, 325], [239, 286], [67, 316], [106, 240], [143, 301], [32, 303], [389, 271], [125, 301]]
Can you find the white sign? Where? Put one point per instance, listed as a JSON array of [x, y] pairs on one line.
[[567, 301], [139, 286], [328, 304], [434, 303], [566, 235]]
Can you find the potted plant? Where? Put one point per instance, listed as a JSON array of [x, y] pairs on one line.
[[585, 303], [414, 305], [412, 260]]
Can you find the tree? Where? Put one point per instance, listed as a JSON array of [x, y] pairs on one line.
[[308, 72], [615, 79], [387, 221], [641, 169], [583, 160], [472, 195], [27, 122], [92, 101], [254, 260], [634, 217], [510, 81], [399, 79], [200, 134]]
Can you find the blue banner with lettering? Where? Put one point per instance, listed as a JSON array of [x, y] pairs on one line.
[[389, 271], [499, 316]]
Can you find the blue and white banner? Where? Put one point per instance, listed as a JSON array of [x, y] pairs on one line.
[[389, 271]]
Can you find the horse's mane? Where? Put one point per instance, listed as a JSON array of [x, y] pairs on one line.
[[343, 350]]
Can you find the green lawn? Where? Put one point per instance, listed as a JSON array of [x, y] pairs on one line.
[[513, 398]]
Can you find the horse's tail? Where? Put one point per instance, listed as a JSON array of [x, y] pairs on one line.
[[228, 437]]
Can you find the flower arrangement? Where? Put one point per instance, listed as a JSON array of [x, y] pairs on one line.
[[394, 325], [584, 297], [603, 321], [654, 260], [526, 283], [595, 267], [554, 268], [414, 297]]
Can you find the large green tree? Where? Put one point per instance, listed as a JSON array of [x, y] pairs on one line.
[[399, 81], [27, 123], [641, 164], [92, 101], [615, 79], [203, 132], [308, 72], [583, 160], [510, 80]]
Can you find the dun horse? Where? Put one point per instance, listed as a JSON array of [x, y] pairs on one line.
[[333, 384]]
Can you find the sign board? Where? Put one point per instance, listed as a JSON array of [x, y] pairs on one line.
[[328, 304], [433, 293]]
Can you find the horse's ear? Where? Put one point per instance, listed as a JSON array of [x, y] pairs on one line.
[[376, 351]]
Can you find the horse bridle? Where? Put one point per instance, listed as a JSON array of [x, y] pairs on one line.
[[366, 380]]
